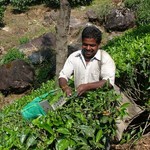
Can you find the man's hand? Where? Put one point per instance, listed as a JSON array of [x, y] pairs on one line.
[[64, 86], [67, 90], [82, 89]]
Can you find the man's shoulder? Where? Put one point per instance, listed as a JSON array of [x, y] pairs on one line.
[[105, 55]]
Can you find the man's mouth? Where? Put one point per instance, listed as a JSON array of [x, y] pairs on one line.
[[88, 52]]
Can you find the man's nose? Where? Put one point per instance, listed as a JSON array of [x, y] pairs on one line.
[[88, 47]]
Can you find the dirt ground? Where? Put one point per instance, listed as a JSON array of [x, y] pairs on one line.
[[24, 25], [30, 25]]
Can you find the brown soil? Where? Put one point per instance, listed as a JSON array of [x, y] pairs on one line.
[[23, 25], [29, 25], [9, 99]]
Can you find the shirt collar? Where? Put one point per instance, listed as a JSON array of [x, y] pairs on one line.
[[98, 55]]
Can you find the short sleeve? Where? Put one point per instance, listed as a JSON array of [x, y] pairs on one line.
[[108, 68], [67, 70]]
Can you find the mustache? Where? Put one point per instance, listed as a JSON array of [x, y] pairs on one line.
[[85, 50]]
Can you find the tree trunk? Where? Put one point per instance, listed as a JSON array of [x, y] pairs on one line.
[[61, 36]]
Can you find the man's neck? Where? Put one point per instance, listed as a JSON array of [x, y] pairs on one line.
[[87, 60]]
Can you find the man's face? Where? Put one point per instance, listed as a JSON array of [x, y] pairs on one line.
[[89, 48]]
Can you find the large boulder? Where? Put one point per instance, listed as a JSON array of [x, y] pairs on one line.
[[41, 49], [92, 16], [45, 55], [45, 41], [16, 77], [74, 47], [119, 20]]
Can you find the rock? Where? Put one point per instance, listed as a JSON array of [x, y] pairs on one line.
[[119, 20], [75, 29], [7, 29], [73, 47], [92, 16], [76, 23], [45, 41], [50, 18], [40, 56], [16, 77]]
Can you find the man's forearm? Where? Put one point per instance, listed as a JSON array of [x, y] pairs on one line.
[[63, 83], [82, 88], [99, 84], [64, 86]]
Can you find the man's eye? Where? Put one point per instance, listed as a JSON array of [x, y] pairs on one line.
[[85, 44], [91, 45]]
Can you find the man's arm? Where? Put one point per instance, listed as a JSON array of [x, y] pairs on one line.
[[65, 74], [91, 86], [64, 86]]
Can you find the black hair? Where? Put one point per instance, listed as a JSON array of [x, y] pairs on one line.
[[92, 32]]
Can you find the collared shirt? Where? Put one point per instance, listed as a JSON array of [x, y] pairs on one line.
[[92, 72]]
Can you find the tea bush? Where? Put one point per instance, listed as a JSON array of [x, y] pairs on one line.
[[82, 123], [131, 54]]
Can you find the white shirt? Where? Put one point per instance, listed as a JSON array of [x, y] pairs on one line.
[[76, 65]]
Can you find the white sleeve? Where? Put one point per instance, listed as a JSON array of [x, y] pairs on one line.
[[67, 70], [108, 68]]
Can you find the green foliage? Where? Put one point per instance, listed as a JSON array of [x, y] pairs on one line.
[[24, 40], [73, 3], [132, 135], [79, 2], [44, 72], [131, 54], [82, 123], [52, 3], [141, 8], [2, 10], [11, 55], [102, 9], [21, 5]]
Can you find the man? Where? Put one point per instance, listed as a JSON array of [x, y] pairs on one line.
[[91, 67]]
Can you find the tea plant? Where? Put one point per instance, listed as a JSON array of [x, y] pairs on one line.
[[82, 123], [131, 55]]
